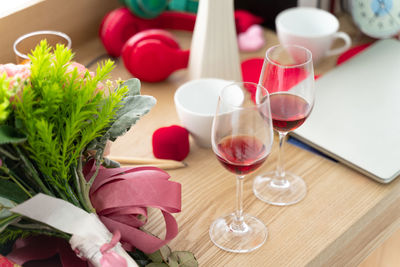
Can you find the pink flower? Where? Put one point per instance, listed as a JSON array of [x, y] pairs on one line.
[[17, 72], [81, 72], [24, 71], [13, 70], [80, 68]]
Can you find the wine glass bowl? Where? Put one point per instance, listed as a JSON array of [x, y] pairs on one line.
[[288, 76], [242, 138], [27, 42]]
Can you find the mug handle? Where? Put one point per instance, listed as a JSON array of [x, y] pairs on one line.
[[347, 43]]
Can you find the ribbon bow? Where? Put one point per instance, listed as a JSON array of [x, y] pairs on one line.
[[121, 195]]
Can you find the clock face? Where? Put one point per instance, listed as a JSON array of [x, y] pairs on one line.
[[377, 18]]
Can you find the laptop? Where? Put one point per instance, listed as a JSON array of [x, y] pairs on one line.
[[356, 116]]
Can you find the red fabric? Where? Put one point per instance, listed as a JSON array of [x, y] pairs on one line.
[[171, 143], [251, 68], [244, 19], [351, 52], [285, 78], [251, 72]]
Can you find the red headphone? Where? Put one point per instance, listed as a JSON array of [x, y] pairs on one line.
[[148, 52], [152, 55]]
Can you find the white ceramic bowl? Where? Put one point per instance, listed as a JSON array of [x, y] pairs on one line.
[[196, 103]]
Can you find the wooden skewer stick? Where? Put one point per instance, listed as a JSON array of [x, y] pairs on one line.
[[165, 164], [161, 166]]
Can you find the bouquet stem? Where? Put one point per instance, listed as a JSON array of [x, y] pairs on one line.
[[33, 172]]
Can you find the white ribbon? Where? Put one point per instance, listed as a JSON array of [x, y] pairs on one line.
[[88, 233]]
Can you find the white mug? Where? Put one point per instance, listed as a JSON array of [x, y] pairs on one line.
[[312, 28], [196, 103]]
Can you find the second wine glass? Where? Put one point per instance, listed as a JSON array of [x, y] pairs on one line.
[[288, 75], [242, 137]]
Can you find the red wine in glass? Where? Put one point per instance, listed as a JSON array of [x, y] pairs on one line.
[[288, 111], [241, 154], [242, 136], [288, 74]]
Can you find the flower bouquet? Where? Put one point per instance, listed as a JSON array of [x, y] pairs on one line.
[[56, 118]]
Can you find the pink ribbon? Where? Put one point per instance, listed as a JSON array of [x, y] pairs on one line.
[[111, 258], [120, 195]]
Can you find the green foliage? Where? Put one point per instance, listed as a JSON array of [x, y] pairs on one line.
[[165, 257], [157, 264], [6, 217], [11, 234], [10, 135], [182, 259], [61, 112], [140, 258], [133, 107], [4, 97], [11, 191], [160, 255]]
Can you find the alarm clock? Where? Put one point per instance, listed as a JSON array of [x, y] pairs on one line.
[[377, 18]]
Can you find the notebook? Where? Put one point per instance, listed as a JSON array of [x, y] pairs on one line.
[[356, 116]]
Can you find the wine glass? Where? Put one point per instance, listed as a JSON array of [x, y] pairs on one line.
[[242, 137], [288, 76]]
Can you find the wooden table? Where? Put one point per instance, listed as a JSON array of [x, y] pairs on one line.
[[344, 216]]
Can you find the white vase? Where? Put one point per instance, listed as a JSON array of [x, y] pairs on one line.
[[214, 50]]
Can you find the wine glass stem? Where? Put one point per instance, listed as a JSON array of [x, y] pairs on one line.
[[238, 224], [280, 169]]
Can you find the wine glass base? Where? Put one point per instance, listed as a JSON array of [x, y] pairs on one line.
[[249, 237], [269, 189]]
